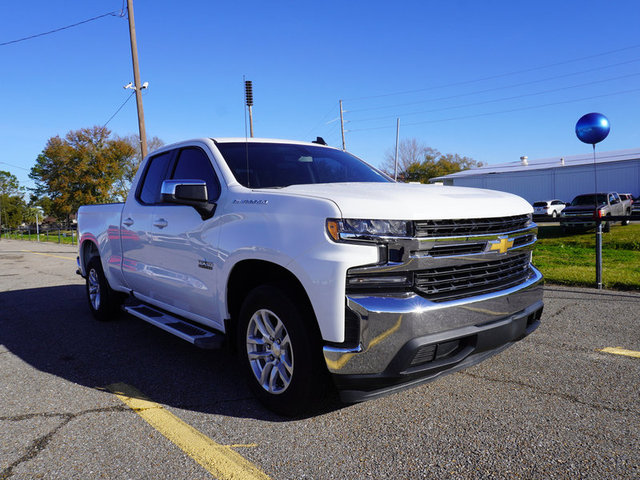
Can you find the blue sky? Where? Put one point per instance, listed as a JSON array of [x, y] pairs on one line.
[[492, 80]]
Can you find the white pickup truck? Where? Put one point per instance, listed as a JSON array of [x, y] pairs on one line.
[[310, 262]]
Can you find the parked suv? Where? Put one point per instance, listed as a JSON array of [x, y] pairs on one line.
[[548, 208]]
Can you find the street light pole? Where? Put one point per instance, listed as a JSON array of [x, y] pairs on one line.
[[136, 79]]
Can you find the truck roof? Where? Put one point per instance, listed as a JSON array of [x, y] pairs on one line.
[[263, 140]]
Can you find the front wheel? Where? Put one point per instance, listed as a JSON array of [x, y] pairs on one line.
[[279, 351]]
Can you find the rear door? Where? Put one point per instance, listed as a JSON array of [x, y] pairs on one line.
[[135, 225]]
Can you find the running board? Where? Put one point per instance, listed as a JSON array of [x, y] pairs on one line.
[[180, 328]]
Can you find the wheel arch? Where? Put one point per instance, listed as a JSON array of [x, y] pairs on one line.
[[88, 250], [249, 274]]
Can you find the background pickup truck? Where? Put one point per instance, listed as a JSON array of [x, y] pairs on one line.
[[317, 268], [585, 209]]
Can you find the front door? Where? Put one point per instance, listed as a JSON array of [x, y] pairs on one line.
[[184, 271]]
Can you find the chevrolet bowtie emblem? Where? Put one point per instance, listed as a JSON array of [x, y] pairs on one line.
[[501, 245]]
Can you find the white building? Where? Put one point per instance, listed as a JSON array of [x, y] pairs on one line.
[[560, 177]]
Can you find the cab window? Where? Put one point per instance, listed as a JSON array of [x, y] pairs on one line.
[[193, 164], [157, 168]]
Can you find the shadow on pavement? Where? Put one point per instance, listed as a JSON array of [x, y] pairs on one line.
[[52, 330]]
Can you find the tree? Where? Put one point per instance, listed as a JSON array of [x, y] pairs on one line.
[[443, 165], [420, 163], [12, 205], [83, 168], [44, 203], [9, 184], [410, 151]]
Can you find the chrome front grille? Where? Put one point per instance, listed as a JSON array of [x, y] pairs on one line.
[[449, 260], [469, 227], [475, 278]]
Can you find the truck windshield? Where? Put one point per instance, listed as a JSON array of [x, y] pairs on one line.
[[589, 200], [275, 165]]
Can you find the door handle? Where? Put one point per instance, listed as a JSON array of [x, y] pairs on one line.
[[127, 222], [160, 223]]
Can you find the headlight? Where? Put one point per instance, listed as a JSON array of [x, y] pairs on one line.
[[366, 230]]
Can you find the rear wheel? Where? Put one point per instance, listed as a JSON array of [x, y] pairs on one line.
[[279, 350], [103, 301], [627, 222]]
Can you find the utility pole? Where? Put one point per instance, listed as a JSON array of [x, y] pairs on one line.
[[136, 79], [342, 126], [395, 167]]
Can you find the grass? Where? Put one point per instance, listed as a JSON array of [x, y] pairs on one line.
[[570, 259], [52, 237]]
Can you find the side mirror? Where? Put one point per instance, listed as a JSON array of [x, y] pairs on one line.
[[189, 192]]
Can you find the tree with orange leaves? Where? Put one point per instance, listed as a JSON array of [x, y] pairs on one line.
[[82, 168]]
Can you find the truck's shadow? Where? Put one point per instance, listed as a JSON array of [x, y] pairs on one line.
[[51, 329]]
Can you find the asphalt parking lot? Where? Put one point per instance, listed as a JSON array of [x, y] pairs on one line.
[[80, 399]]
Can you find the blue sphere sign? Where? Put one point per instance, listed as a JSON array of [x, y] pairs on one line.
[[592, 128]]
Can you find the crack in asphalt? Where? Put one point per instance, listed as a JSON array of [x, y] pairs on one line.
[[564, 396], [39, 444], [562, 309]]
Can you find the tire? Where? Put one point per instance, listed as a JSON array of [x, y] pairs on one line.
[[606, 228], [279, 351], [626, 222], [554, 214], [103, 301]]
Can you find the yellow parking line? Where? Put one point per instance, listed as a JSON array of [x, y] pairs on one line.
[[48, 255], [621, 351], [220, 460]]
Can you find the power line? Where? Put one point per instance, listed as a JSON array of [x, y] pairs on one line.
[[119, 108], [321, 121], [30, 37], [15, 166], [500, 75], [501, 111], [502, 99], [493, 89]]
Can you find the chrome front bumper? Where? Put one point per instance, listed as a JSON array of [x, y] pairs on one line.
[[401, 335]]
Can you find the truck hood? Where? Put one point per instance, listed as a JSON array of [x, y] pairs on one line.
[[402, 201]]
